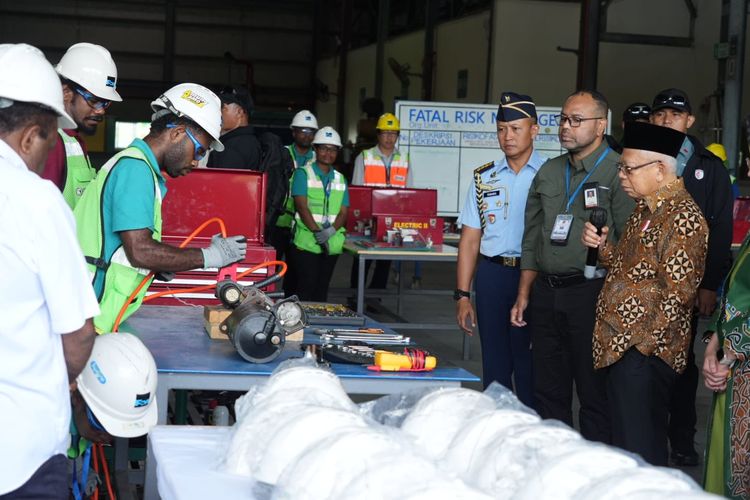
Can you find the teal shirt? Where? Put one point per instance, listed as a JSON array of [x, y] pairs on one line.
[[300, 159], [299, 182], [128, 202]]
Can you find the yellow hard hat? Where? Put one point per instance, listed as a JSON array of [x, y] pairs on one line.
[[388, 121], [718, 150]]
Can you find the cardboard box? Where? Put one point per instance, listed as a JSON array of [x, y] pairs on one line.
[[213, 317]]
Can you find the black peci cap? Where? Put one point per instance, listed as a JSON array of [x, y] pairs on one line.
[[648, 137]]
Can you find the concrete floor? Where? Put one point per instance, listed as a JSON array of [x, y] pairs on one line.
[[447, 344]]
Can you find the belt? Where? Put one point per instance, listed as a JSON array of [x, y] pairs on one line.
[[504, 261], [562, 280]]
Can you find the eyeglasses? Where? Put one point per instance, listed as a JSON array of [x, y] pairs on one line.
[[621, 167], [93, 101], [305, 130], [199, 150], [327, 149], [575, 121]]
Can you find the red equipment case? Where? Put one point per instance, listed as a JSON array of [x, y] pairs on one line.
[[360, 209], [741, 219], [428, 227], [238, 197]]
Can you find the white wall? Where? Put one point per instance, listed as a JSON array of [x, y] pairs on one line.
[[525, 58]]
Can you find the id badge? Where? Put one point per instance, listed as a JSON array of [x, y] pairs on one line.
[[561, 229], [591, 195]]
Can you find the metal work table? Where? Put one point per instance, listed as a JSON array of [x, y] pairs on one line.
[[439, 253], [187, 359]]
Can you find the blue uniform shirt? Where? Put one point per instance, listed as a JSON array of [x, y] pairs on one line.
[[505, 195], [686, 151], [128, 201]]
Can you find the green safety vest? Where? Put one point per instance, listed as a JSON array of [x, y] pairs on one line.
[[121, 278], [79, 170], [287, 217], [324, 209]]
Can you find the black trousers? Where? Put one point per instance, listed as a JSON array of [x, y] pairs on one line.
[[312, 272], [638, 388], [379, 279], [682, 415], [280, 238], [49, 482], [562, 323]]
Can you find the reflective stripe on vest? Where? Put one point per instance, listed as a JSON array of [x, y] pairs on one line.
[[376, 173], [79, 172], [322, 212], [287, 217], [121, 278]]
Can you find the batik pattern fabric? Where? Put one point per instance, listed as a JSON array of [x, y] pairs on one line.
[[728, 452], [653, 277]]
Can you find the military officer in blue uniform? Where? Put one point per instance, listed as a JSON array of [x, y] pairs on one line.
[[492, 229]]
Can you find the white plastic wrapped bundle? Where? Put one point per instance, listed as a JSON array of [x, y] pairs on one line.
[[284, 443], [308, 381], [439, 415], [389, 476], [562, 477], [443, 488], [673, 495], [651, 482], [264, 417], [322, 471], [470, 443], [503, 465]]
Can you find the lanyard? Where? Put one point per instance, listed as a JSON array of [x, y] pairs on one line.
[[578, 189]]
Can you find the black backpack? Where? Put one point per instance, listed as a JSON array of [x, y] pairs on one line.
[[277, 163]]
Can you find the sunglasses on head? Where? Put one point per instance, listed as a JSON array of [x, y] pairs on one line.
[[640, 110], [671, 99]]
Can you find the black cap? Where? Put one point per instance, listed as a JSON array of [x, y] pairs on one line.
[[636, 111], [238, 96], [515, 106], [648, 137], [673, 99]]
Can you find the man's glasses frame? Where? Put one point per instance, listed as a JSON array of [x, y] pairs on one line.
[[574, 121], [621, 167]]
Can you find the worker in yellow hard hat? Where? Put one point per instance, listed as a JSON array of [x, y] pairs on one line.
[[381, 166]]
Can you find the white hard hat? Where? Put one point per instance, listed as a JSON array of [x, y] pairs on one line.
[[27, 76], [118, 384], [304, 119], [91, 66], [327, 135], [195, 102]]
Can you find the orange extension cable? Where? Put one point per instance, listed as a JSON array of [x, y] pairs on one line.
[[194, 289]]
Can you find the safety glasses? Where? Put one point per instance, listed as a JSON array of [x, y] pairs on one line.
[[305, 130], [93, 101], [199, 150]]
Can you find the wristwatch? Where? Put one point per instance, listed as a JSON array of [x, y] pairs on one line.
[[458, 294]]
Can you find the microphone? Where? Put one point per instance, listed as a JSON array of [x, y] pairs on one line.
[[598, 218]]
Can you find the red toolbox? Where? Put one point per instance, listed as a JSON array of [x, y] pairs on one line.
[[235, 196], [429, 229], [360, 209], [404, 202]]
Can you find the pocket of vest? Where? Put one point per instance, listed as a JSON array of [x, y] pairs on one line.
[[119, 283]]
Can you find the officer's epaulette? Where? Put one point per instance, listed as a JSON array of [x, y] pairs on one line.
[[484, 167]]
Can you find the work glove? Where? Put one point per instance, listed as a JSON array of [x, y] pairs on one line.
[[224, 251], [324, 234]]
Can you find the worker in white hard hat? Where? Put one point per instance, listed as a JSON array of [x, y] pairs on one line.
[[383, 165], [89, 84], [241, 147], [321, 199], [303, 126], [115, 397], [47, 306], [119, 216]]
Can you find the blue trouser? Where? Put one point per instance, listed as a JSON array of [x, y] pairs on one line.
[[506, 349]]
